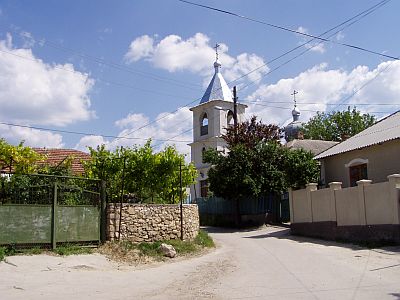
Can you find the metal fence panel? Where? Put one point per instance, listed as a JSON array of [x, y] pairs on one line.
[[43, 209], [77, 223], [25, 224]]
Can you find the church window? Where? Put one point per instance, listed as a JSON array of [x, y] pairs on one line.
[[204, 125], [230, 119]]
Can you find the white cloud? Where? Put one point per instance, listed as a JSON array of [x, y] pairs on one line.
[[90, 141], [175, 126], [31, 137], [33, 92], [142, 47], [173, 53], [316, 46], [321, 85]]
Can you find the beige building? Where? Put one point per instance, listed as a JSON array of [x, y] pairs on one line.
[[372, 154]]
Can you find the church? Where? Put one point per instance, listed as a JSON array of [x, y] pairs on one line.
[[211, 117]]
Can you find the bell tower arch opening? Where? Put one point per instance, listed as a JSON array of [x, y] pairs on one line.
[[204, 124]]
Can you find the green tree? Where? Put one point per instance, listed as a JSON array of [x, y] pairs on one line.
[[267, 168], [337, 125], [250, 133], [148, 176], [19, 159]]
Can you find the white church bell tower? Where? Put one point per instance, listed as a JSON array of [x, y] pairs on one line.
[[211, 117]]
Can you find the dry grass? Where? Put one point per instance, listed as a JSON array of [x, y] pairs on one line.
[[148, 253], [127, 253]]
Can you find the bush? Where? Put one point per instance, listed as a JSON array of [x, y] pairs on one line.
[[3, 253], [204, 240]]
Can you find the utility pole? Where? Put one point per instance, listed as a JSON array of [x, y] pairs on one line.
[[235, 120], [122, 197], [181, 198], [235, 124]]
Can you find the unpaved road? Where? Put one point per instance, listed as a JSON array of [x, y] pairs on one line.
[[262, 264]]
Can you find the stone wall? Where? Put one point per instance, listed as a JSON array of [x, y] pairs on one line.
[[152, 222]]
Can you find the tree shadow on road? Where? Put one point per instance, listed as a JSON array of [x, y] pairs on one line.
[[211, 229], [396, 295], [284, 233]]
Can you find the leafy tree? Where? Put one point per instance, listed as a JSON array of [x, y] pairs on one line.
[[267, 168], [147, 176], [337, 125], [19, 159], [250, 133]]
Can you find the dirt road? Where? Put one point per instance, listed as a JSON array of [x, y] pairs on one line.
[[262, 264]]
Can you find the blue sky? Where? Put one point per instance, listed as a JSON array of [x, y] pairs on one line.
[[110, 67]]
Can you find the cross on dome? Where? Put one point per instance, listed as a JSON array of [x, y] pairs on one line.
[[294, 97], [216, 50], [217, 65], [295, 111]]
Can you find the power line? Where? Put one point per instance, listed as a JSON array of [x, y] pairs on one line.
[[352, 20], [362, 14], [320, 103], [96, 79], [292, 30], [364, 85], [101, 61], [88, 134], [309, 110]]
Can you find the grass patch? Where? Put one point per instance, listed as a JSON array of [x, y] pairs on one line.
[[150, 249], [69, 249], [204, 240], [142, 253], [3, 253], [7, 251]]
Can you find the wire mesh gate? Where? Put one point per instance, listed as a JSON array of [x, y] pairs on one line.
[[39, 209]]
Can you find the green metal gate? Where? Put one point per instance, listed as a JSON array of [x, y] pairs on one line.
[[41, 209]]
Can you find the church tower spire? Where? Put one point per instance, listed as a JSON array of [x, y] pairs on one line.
[[211, 117], [217, 88]]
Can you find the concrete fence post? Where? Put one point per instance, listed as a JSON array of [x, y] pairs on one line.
[[333, 186], [291, 208], [310, 187], [394, 194], [361, 201]]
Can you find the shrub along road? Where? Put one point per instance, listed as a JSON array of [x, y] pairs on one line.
[[262, 264]]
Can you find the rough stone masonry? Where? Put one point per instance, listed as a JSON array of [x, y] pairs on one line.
[[152, 222]]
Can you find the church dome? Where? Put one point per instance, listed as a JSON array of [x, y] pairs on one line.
[[293, 128]]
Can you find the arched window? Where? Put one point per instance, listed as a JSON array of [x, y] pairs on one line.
[[230, 119], [358, 169], [204, 124]]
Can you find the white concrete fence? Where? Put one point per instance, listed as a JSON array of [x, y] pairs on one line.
[[364, 204]]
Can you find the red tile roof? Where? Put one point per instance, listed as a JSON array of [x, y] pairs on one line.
[[56, 156]]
